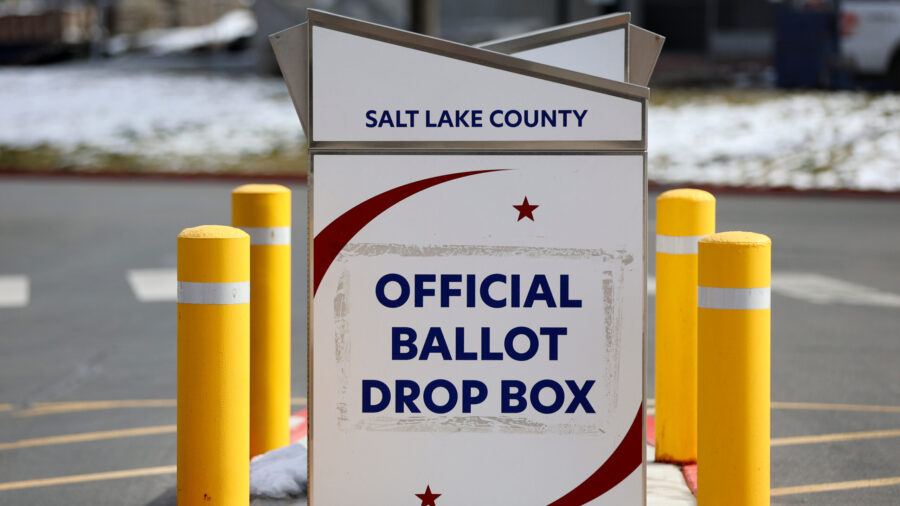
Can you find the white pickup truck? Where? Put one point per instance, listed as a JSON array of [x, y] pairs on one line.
[[870, 37]]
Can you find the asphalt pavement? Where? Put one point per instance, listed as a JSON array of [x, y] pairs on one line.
[[87, 368]]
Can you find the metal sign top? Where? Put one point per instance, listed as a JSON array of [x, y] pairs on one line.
[[379, 87], [605, 46]]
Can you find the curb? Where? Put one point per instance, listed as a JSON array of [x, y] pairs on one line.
[[690, 476], [776, 190], [299, 426], [653, 186], [157, 176]]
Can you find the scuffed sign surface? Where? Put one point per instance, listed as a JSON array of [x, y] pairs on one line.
[[585, 241]]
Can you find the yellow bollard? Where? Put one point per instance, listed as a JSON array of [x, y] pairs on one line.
[[682, 217], [264, 212], [734, 319], [213, 366]]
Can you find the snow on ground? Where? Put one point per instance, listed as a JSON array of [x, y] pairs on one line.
[[190, 121], [167, 117], [280, 473], [233, 25], [801, 139]]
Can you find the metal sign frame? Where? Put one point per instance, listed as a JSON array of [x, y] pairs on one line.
[[642, 46], [562, 33]]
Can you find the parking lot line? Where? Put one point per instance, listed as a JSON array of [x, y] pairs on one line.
[[82, 478], [831, 487], [830, 438], [165, 429], [47, 408], [818, 406], [14, 291], [51, 408], [88, 436], [819, 289], [153, 285], [6, 407], [821, 406]]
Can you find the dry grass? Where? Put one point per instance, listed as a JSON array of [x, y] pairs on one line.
[[46, 158]]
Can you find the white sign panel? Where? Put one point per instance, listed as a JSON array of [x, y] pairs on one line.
[[367, 90], [600, 54], [477, 329]]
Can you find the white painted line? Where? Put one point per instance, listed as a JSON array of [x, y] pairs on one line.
[[153, 285], [734, 298], [14, 291], [268, 236], [678, 245], [819, 289], [86, 478], [214, 293]]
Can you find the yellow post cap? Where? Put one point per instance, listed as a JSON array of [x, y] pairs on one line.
[[735, 260], [212, 232], [261, 205], [685, 212], [213, 254]]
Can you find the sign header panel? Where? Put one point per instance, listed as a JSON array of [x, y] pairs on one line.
[[368, 90], [478, 328]]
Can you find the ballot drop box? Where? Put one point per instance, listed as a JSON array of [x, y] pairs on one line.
[[477, 265]]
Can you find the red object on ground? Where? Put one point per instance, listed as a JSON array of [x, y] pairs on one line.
[[298, 425], [690, 476], [651, 430]]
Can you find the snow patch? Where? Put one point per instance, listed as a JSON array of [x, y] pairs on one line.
[[804, 140], [232, 26], [157, 115], [279, 474]]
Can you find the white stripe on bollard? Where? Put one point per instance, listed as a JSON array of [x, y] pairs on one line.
[[213, 293], [677, 245], [734, 298], [269, 236]]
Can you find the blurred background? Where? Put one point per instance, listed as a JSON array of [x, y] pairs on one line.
[[788, 111], [796, 93]]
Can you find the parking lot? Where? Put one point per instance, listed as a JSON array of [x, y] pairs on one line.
[[88, 355]]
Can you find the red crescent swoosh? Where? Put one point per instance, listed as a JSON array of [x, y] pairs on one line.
[[332, 239], [623, 461]]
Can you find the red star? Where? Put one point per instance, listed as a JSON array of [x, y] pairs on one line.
[[525, 210], [428, 498]]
